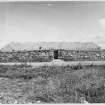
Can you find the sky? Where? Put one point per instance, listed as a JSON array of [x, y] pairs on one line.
[[78, 21]]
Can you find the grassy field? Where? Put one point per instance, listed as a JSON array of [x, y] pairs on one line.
[[52, 84]]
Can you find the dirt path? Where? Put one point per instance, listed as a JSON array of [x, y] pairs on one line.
[[58, 63]]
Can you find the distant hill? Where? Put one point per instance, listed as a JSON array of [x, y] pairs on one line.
[[46, 45]]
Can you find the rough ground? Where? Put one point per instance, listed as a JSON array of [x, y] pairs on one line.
[[52, 84]]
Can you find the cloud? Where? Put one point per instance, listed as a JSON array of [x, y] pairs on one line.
[[99, 39], [102, 22]]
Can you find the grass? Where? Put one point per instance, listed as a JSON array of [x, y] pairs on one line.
[[52, 84]]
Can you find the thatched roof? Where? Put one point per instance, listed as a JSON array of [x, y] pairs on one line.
[[50, 45]]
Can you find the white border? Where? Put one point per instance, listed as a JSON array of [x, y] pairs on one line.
[[45, 0]]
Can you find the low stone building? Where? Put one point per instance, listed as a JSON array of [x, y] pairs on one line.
[[46, 53]]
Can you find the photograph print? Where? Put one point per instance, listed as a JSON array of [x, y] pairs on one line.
[[52, 52]]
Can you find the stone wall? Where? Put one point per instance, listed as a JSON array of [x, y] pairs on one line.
[[48, 55], [26, 56], [76, 55]]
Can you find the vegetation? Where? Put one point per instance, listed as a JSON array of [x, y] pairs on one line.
[[52, 84]]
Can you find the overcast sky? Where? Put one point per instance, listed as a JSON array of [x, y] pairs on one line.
[[52, 21]]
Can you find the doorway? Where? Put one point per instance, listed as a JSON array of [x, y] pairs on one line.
[[55, 54]]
